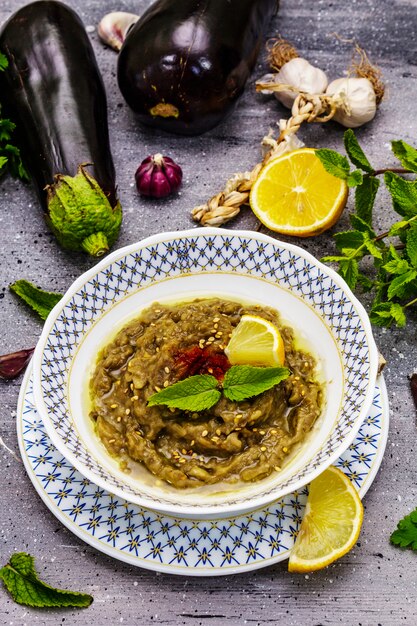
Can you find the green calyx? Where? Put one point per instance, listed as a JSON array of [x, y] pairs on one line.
[[80, 214]]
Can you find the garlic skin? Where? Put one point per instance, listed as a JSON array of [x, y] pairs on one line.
[[300, 74], [356, 101], [113, 28]]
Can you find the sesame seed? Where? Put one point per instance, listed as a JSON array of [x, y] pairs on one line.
[[285, 449], [192, 442], [255, 430], [112, 441], [113, 406], [182, 460], [216, 319], [209, 343], [131, 386], [166, 383], [157, 388], [204, 433], [195, 455], [211, 339], [238, 428], [156, 349], [303, 393], [263, 448], [166, 369], [215, 439], [127, 411], [273, 431], [277, 468], [296, 378], [153, 324], [218, 335], [210, 370], [305, 364], [262, 432], [119, 419], [157, 310], [184, 451], [221, 346], [135, 398], [215, 326], [218, 432]]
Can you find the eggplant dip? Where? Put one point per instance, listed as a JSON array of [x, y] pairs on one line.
[[230, 442]]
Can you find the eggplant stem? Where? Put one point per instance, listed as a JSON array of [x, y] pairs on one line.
[[95, 244]]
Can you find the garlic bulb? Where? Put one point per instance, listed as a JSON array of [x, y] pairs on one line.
[[303, 76], [356, 101]]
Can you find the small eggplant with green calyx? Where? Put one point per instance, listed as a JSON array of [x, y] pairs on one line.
[[184, 63], [53, 90]]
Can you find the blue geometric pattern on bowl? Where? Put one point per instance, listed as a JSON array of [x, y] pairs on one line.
[[179, 545], [198, 254]]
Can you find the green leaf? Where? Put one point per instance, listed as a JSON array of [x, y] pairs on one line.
[[360, 224], [365, 195], [406, 154], [412, 244], [245, 381], [372, 247], [380, 314], [403, 193], [398, 313], [397, 266], [3, 62], [41, 301], [332, 259], [195, 393], [334, 163], [366, 283], [349, 239], [348, 269], [355, 152], [6, 129], [397, 228], [355, 179], [406, 534], [3, 161], [396, 287], [21, 580]]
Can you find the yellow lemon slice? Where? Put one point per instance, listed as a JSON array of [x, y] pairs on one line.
[[255, 341], [331, 524], [294, 195]]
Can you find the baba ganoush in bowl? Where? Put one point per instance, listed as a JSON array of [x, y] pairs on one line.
[[149, 381]]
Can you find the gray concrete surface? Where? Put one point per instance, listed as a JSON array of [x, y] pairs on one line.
[[375, 583]]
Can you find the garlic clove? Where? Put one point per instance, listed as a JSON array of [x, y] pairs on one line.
[[264, 80], [355, 100], [114, 27], [299, 73]]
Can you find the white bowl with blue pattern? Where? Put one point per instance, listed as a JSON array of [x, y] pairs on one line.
[[242, 265]]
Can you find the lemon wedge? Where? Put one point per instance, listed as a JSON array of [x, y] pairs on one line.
[[255, 341], [295, 195], [331, 523]]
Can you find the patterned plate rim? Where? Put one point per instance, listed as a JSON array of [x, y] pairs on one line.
[[113, 552]]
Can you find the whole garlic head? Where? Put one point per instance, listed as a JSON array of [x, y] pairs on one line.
[[357, 101], [300, 74]]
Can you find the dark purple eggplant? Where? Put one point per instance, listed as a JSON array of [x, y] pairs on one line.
[[184, 63], [53, 91]]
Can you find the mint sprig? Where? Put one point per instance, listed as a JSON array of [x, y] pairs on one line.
[[21, 580], [195, 393], [394, 252], [405, 536], [198, 393]]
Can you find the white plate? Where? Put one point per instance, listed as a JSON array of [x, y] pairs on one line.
[[191, 547]]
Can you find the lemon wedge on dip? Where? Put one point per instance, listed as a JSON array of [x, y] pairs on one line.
[[255, 341]]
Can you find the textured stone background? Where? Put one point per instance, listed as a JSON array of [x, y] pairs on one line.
[[375, 583]]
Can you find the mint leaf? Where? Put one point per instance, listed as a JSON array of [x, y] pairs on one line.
[[398, 228], [403, 193], [398, 314], [366, 283], [21, 580], [397, 285], [355, 178], [41, 301], [245, 381], [355, 152], [195, 393], [412, 244], [3, 62], [380, 314], [397, 266], [361, 225], [365, 195], [6, 129], [406, 534], [349, 239], [348, 269], [406, 154], [372, 247], [334, 163]]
